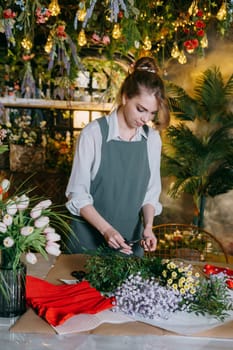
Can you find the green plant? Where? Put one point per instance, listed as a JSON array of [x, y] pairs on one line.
[[198, 150], [28, 226]]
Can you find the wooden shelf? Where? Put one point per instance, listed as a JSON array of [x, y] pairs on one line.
[[55, 104]]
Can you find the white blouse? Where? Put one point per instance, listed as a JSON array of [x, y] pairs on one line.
[[87, 161]]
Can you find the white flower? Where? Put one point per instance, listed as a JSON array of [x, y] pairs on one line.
[[36, 212], [31, 258], [53, 237], [41, 221], [3, 227], [49, 229], [5, 184], [8, 242], [53, 248], [23, 202], [45, 204], [26, 230], [7, 219], [11, 208]]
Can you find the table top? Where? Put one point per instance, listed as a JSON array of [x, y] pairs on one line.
[[32, 333]]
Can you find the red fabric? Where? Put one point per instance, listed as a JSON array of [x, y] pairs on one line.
[[214, 270], [58, 303]]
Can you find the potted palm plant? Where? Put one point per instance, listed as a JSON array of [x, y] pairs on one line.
[[198, 149]]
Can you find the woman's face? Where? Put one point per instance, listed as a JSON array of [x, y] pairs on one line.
[[140, 109]]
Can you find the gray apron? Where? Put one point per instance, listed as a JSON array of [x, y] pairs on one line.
[[118, 191]]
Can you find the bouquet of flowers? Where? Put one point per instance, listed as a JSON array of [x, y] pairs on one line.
[[155, 287], [28, 227]]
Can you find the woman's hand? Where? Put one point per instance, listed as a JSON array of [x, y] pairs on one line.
[[149, 242], [116, 241]]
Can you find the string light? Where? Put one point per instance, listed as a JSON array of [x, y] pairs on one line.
[[204, 42], [26, 44], [222, 13], [147, 44], [48, 45], [82, 40], [175, 53], [116, 33], [182, 58], [81, 14], [54, 8]]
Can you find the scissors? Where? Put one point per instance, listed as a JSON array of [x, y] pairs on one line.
[[131, 243]]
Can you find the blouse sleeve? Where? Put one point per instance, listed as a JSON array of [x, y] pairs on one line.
[[154, 146]]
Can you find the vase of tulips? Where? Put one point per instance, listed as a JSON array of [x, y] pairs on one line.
[[27, 226]]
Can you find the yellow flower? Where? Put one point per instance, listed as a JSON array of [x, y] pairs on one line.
[[170, 281], [174, 286], [192, 291], [174, 274], [182, 291], [197, 274], [164, 273]]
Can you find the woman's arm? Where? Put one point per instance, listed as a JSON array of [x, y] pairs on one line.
[[150, 242], [111, 235]]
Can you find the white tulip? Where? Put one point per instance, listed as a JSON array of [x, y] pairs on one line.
[[45, 204], [31, 258], [3, 227], [41, 221], [5, 184], [36, 212], [8, 242], [7, 219], [11, 208], [23, 202], [53, 248], [53, 237], [26, 230], [49, 229]]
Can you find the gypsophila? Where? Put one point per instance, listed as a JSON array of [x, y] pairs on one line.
[[146, 298]]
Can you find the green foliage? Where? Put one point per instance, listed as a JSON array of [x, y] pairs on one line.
[[212, 297], [199, 153], [106, 270]]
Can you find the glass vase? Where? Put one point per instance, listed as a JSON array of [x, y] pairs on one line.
[[12, 290]]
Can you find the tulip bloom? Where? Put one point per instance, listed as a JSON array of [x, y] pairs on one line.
[[8, 242], [41, 221], [31, 258]]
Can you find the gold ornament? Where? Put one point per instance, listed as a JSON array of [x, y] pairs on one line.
[[48, 45], [82, 40], [204, 42], [182, 58], [175, 53], [116, 32], [222, 12], [54, 8], [147, 44], [81, 14], [26, 44]]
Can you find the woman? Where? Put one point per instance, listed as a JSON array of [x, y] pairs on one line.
[[115, 183]]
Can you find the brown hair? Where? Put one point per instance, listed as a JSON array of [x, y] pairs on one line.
[[145, 74]]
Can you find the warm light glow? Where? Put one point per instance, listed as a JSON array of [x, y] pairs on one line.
[[204, 42], [48, 45], [147, 44], [26, 44], [182, 58], [222, 13], [82, 40], [175, 53], [54, 8], [81, 14], [116, 33], [193, 8]]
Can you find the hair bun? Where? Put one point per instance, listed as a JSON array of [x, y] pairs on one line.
[[146, 64]]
